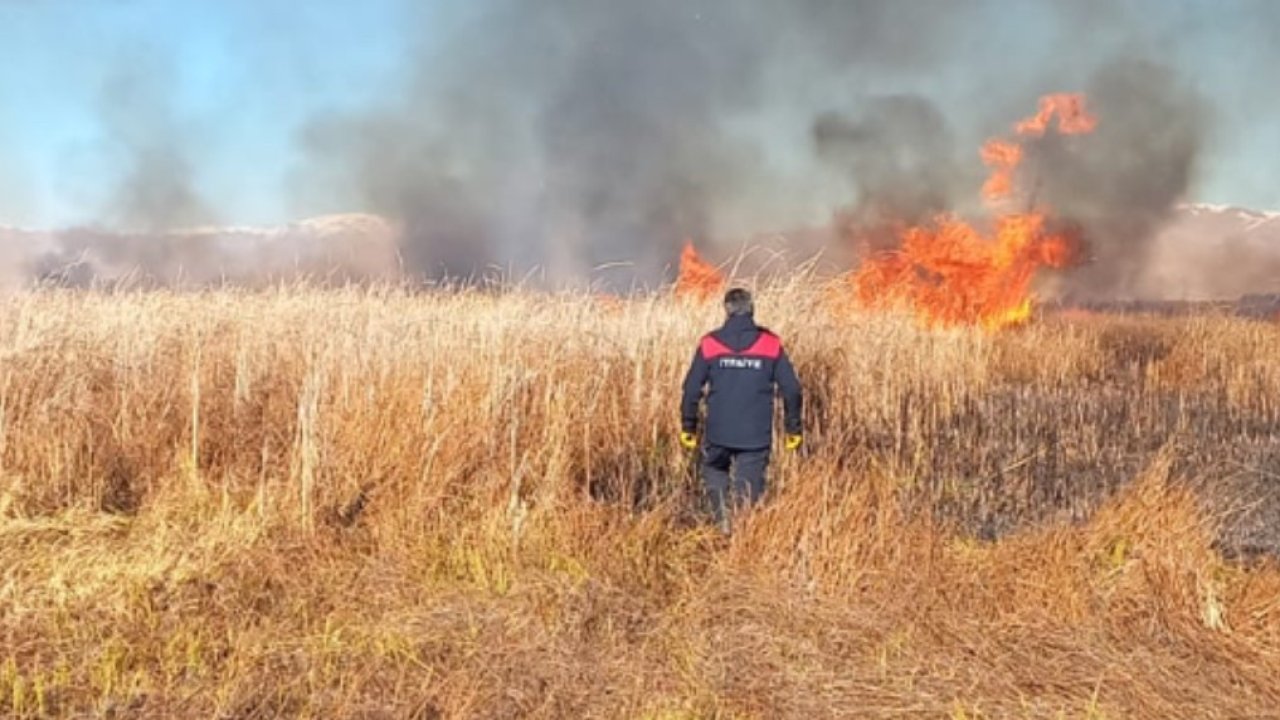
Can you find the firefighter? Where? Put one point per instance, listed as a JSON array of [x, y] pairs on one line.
[[740, 364]]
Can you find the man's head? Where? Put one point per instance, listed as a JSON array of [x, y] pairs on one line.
[[738, 302]]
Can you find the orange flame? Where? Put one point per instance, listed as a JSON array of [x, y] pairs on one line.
[[698, 278], [1069, 108], [609, 304], [1003, 158], [951, 273]]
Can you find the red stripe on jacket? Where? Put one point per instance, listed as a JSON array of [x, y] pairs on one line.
[[767, 346]]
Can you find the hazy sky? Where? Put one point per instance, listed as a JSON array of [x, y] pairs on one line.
[[238, 77], [233, 82]]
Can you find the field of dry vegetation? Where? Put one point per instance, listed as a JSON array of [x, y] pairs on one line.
[[381, 504]]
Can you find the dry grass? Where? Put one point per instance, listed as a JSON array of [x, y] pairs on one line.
[[375, 504]]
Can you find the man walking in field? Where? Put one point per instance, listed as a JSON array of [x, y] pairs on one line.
[[742, 363]]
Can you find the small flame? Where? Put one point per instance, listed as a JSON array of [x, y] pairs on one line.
[[698, 278], [950, 273], [1003, 158], [1013, 316], [1073, 118], [608, 303]]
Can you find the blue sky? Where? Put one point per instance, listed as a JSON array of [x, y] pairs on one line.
[[240, 76], [236, 79]]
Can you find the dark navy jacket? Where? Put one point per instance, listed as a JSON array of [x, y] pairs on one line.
[[742, 363]]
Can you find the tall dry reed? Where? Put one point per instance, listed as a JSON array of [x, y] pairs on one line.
[[376, 503]]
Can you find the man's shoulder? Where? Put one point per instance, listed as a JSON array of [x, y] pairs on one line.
[[712, 347], [771, 335], [767, 344]]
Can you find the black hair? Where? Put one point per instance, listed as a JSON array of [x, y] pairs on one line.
[[738, 302]]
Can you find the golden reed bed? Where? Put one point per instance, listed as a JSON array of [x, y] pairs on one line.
[[373, 503]]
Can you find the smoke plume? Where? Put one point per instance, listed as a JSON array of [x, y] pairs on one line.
[[577, 134], [155, 194], [1122, 182], [157, 189], [589, 139], [899, 154]]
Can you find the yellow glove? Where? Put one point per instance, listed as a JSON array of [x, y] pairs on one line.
[[688, 440], [793, 442]]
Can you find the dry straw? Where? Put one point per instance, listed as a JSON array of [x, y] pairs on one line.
[[376, 503]]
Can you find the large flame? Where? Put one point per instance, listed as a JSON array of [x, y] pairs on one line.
[[698, 278], [950, 273]]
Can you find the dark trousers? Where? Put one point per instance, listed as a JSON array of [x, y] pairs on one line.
[[733, 478]]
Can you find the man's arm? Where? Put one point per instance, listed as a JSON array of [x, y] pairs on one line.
[[694, 379], [792, 396]]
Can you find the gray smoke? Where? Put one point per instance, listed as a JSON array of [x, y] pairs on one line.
[[1117, 185], [155, 194], [575, 134], [1122, 182], [900, 154], [633, 155], [157, 189]]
